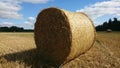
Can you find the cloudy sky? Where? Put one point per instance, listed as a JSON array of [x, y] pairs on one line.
[[23, 13]]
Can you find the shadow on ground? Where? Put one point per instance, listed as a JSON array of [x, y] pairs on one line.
[[29, 57]]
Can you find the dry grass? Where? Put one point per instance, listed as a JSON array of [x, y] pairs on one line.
[[15, 42], [17, 50]]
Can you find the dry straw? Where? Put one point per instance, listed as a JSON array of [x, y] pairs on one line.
[[61, 35]]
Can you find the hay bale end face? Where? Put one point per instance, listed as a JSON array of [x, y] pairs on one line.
[[61, 36]]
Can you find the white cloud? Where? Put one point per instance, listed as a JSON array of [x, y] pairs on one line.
[[102, 8], [30, 21], [36, 1], [10, 8], [7, 24]]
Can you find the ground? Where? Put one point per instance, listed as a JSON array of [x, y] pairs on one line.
[[18, 50]]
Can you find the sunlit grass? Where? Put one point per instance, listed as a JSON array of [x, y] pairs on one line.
[[17, 50]]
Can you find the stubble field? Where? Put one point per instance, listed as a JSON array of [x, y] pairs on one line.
[[18, 50]]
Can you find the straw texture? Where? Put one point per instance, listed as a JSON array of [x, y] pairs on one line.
[[61, 36]]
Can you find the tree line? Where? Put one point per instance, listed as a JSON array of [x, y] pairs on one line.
[[14, 29], [111, 25]]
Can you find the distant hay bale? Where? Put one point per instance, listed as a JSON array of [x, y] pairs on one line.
[[109, 30], [61, 36]]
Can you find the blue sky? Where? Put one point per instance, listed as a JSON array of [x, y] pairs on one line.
[[23, 13]]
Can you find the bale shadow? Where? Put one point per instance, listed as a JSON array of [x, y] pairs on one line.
[[29, 57]]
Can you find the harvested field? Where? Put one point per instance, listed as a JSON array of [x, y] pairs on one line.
[[18, 50]]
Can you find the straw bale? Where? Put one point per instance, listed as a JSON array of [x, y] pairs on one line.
[[61, 36]]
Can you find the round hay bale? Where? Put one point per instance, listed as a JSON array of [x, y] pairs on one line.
[[109, 30], [61, 36]]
